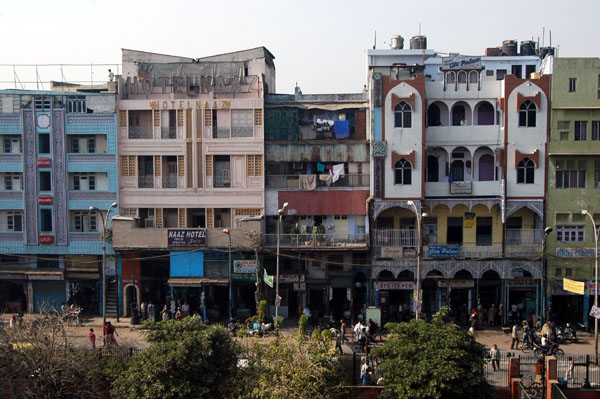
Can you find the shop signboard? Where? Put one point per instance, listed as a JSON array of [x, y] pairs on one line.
[[563, 252], [244, 266], [460, 187], [186, 237], [391, 252], [525, 281], [443, 251], [299, 286], [394, 285], [456, 283], [291, 278], [578, 287], [590, 289]]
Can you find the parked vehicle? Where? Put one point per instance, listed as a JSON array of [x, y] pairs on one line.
[[548, 350], [566, 334]]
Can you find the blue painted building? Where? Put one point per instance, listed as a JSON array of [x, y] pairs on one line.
[[58, 157]]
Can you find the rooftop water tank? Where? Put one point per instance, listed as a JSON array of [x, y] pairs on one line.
[[397, 42], [528, 47], [509, 47], [418, 42]]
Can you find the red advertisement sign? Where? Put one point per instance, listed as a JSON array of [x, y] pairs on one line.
[[45, 199], [44, 162], [46, 239]]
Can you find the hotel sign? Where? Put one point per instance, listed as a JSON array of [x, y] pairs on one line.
[[186, 238], [192, 85], [456, 283], [394, 285], [461, 63], [443, 251]]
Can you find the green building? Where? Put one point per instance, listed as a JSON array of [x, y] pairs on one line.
[[573, 184]]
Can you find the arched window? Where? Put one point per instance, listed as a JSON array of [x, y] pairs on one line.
[[527, 112], [458, 116], [402, 172], [485, 114], [433, 169], [433, 116], [450, 77], [402, 115], [458, 170], [525, 171], [462, 77], [473, 77]]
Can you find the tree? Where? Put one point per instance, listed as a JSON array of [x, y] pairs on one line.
[[432, 360], [286, 369], [186, 359]]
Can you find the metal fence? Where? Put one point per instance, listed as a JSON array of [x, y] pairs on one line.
[[585, 371]]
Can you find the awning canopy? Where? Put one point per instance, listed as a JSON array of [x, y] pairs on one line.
[[196, 281]]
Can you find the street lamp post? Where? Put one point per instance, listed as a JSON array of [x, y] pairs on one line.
[[418, 296], [547, 231], [277, 300], [228, 232], [104, 218], [585, 212]]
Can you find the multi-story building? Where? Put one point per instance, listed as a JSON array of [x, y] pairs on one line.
[[573, 182], [58, 159], [317, 161], [191, 163], [459, 149]]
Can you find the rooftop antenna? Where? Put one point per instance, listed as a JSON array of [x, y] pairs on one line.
[[550, 33], [375, 41], [543, 35], [419, 29]]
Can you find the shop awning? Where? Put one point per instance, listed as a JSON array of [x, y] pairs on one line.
[[196, 281], [32, 274], [82, 276]]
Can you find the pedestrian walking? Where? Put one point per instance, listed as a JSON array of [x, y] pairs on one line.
[[110, 334], [144, 310], [492, 313], [569, 371], [495, 356], [164, 314], [92, 338], [515, 336], [343, 330], [151, 311]]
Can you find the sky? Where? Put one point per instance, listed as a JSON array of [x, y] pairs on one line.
[[320, 45]]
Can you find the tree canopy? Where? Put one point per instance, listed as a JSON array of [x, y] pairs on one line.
[[432, 360]]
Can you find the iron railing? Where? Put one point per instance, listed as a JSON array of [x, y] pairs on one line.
[[136, 132], [169, 132], [145, 181], [316, 240], [395, 238], [293, 181], [169, 181]]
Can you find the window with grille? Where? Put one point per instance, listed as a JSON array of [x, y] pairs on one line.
[[76, 105], [122, 118], [527, 112], [258, 117], [402, 115], [84, 181], [570, 173], [242, 123], [42, 103], [580, 130], [12, 182], [402, 172], [572, 85], [570, 233], [128, 165], [14, 221], [254, 165], [595, 130]]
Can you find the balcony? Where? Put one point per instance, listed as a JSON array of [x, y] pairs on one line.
[[169, 132], [221, 132], [136, 132], [146, 181], [169, 181], [293, 181], [317, 241], [395, 238], [523, 242], [465, 135]]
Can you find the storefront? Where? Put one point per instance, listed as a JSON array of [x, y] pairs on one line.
[[460, 293], [83, 276], [395, 299], [525, 293], [568, 307]]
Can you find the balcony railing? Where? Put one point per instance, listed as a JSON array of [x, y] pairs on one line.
[[483, 241], [317, 240], [169, 132], [221, 132], [524, 242], [136, 132], [145, 181], [293, 181], [395, 238], [169, 181]]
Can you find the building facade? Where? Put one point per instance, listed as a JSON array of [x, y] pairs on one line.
[[317, 161], [573, 182], [59, 157], [191, 159], [459, 149]]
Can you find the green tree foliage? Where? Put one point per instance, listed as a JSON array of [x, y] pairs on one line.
[[186, 359], [432, 360], [284, 369]]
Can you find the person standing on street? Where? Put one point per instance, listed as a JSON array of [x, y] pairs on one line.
[[92, 338], [515, 336], [343, 330], [151, 311], [495, 356]]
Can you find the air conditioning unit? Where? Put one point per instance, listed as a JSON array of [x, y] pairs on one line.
[[297, 165]]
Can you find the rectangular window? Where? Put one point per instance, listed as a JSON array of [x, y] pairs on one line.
[[500, 74], [595, 130], [42, 103], [76, 105], [558, 272], [84, 221], [254, 165], [596, 173], [46, 220], [580, 130], [84, 181], [75, 145], [45, 181], [14, 220], [572, 85], [568, 271], [570, 233], [570, 174], [8, 186], [242, 123], [564, 136], [91, 145], [44, 143]]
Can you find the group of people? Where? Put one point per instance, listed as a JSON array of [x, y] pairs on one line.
[[369, 371], [545, 338], [480, 317], [176, 310]]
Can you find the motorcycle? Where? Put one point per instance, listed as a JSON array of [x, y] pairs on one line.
[[566, 334], [552, 349]]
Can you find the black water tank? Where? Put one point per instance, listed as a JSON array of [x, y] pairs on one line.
[[509, 47], [544, 51], [528, 47], [418, 42]]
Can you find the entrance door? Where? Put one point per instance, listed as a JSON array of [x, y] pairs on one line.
[[455, 230]]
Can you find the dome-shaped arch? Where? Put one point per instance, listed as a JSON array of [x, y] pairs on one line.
[[484, 113], [463, 274], [461, 77], [461, 114]]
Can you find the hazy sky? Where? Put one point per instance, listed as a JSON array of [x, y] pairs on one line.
[[319, 44]]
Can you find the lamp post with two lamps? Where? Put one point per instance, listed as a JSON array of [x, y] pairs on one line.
[[419, 216], [585, 212], [104, 218], [228, 232], [277, 299], [547, 232]]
